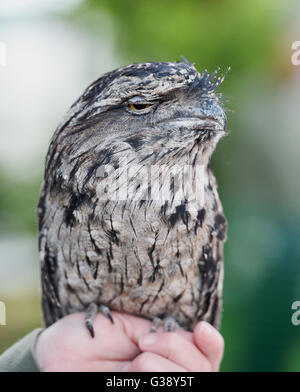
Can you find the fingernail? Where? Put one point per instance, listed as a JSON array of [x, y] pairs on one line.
[[206, 330], [148, 340]]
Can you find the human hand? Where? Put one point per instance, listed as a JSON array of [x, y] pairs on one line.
[[127, 345]]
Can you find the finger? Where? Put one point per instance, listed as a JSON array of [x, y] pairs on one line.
[[120, 340], [68, 341], [74, 365], [209, 340], [150, 362], [134, 327], [111, 342], [176, 348]]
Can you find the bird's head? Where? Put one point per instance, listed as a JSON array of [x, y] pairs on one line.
[[150, 113]]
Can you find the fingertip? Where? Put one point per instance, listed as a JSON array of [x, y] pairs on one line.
[[206, 331], [133, 326], [148, 340], [209, 340]]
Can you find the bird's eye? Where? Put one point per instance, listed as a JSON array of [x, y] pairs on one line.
[[139, 106]]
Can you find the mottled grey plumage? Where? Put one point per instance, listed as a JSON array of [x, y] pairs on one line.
[[153, 258]]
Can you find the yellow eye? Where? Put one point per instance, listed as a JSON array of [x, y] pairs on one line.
[[139, 106]]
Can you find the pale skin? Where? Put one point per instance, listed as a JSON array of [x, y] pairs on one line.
[[127, 346]]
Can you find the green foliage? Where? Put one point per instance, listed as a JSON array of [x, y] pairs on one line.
[[211, 33], [18, 201]]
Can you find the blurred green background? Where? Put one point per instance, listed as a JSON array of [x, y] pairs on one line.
[[55, 49]]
